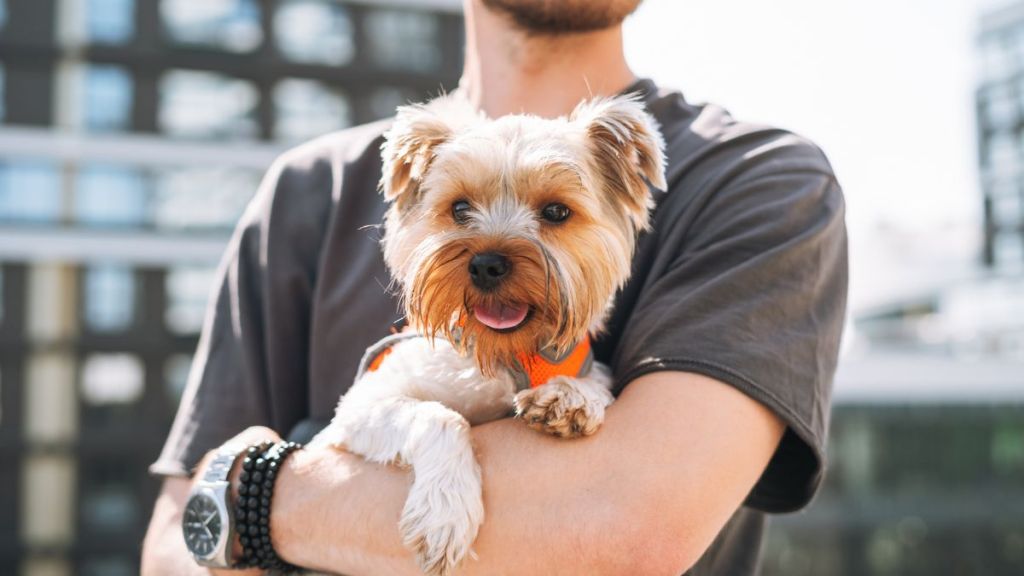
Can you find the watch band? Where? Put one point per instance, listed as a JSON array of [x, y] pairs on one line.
[[220, 467]]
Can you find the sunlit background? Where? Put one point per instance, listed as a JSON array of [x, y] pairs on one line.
[[133, 132]]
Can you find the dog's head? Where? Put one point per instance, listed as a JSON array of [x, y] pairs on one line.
[[516, 231]]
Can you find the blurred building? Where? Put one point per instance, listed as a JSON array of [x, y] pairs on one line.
[[132, 134], [1000, 112], [927, 440]]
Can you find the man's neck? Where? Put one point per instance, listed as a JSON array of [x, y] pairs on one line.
[[508, 71]]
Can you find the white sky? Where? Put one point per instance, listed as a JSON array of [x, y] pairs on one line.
[[884, 86]]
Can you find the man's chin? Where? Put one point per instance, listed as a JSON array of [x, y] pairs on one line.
[[564, 16]]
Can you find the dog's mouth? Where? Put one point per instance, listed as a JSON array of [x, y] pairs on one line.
[[500, 316]]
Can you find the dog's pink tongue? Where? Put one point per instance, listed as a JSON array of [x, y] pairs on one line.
[[500, 316]]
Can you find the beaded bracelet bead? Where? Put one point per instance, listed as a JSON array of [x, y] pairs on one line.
[[256, 487], [241, 510]]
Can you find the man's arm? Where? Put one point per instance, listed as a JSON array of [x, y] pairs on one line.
[[647, 494]]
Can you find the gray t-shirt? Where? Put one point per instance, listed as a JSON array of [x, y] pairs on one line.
[[743, 278]]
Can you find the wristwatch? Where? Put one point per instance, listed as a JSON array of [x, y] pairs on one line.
[[208, 523]]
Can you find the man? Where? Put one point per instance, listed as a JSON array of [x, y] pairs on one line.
[[723, 344]]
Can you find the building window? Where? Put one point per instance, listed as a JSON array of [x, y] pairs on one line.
[[48, 500], [384, 100], [107, 96], [108, 566], [109, 507], [1002, 154], [3, 97], [202, 198], [110, 196], [1008, 250], [231, 25], [404, 40], [307, 108], [1007, 209], [110, 21], [42, 205], [187, 292], [207, 105], [996, 58], [314, 32], [112, 379], [109, 298], [176, 370], [1000, 107]]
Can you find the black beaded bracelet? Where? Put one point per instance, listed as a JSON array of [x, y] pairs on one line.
[[252, 511], [241, 510]]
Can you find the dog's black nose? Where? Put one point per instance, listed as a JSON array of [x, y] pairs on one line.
[[488, 270]]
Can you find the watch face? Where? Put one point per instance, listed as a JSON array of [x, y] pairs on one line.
[[202, 525]]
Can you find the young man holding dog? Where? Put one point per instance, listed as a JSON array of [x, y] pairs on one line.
[[723, 343]]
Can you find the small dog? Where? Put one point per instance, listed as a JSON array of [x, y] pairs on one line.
[[508, 239]]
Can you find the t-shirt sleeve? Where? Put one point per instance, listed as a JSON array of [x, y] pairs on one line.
[[251, 364], [751, 291]]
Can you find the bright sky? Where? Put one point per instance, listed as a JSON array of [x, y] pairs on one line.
[[884, 86]]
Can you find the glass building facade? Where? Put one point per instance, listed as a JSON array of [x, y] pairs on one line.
[[1000, 121], [132, 135]]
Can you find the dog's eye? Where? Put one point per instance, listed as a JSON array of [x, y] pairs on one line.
[[460, 211], [555, 212]]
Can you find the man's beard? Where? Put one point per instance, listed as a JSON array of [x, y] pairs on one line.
[[564, 16]]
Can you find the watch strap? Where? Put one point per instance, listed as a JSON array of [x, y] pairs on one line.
[[220, 467]]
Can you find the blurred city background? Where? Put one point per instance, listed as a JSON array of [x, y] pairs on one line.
[[133, 132]]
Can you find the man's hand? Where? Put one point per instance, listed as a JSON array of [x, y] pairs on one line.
[[163, 551]]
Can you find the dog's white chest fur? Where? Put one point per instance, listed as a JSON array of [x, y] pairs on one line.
[[436, 372]]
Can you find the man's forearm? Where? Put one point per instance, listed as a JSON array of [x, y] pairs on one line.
[[335, 512], [646, 494]]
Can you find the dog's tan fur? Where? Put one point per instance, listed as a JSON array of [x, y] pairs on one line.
[[417, 408]]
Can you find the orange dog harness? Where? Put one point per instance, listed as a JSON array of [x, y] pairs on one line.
[[530, 371]]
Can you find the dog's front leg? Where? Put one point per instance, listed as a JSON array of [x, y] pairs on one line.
[[444, 509], [567, 407]]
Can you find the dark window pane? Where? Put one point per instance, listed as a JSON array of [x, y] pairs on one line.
[[109, 507], [231, 25], [108, 566], [176, 369], [110, 21], [109, 298], [3, 86], [314, 31], [1009, 250], [187, 292], [404, 40], [307, 108], [207, 105], [384, 100], [29, 192]]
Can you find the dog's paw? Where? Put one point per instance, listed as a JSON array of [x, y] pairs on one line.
[[442, 517], [564, 407]]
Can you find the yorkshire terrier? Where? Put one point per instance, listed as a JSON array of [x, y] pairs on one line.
[[508, 240]]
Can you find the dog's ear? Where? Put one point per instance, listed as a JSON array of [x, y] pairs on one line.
[[627, 147], [409, 145]]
